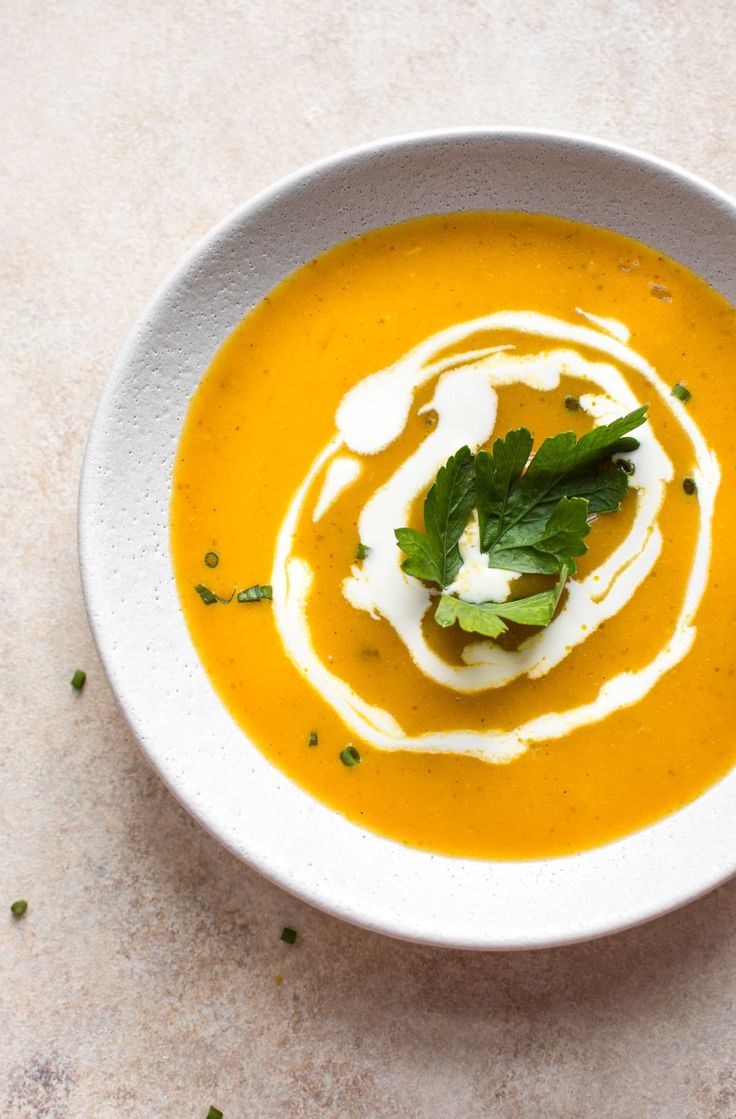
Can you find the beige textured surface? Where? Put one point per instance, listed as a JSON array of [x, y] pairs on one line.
[[141, 981]]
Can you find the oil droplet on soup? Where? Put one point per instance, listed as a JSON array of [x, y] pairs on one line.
[[327, 413]]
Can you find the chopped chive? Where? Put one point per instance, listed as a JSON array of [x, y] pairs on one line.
[[313, 738], [214, 1113], [572, 403], [362, 552], [209, 597], [350, 756], [681, 392], [690, 486], [211, 559], [256, 593], [626, 465], [288, 935], [77, 680], [19, 907]]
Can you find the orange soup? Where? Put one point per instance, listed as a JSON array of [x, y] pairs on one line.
[[541, 660]]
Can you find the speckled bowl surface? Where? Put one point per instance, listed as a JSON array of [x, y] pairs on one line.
[[189, 736]]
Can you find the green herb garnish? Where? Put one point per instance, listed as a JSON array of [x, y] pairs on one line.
[[533, 515], [256, 593], [681, 391], [18, 908], [209, 598], [487, 618], [78, 679], [690, 486], [313, 738], [435, 558], [214, 1113], [350, 756], [362, 552], [288, 935], [211, 559]]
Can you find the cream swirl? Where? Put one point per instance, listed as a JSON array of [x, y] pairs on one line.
[[374, 413]]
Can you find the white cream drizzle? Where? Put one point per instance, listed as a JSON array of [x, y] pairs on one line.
[[477, 581], [614, 327], [374, 413], [341, 473]]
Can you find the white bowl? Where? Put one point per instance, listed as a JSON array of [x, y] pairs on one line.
[[188, 735]]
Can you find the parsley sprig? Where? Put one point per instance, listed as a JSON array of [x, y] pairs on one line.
[[533, 516]]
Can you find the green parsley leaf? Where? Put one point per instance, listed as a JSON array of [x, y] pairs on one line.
[[604, 491], [435, 558], [524, 525], [473, 617], [555, 542], [214, 1113], [497, 475], [487, 617]]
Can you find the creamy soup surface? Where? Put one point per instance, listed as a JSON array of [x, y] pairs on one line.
[[318, 430]]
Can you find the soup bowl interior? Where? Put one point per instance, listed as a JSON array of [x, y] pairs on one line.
[[183, 727]]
